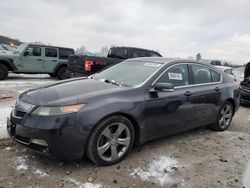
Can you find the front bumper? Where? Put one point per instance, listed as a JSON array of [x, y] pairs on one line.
[[245, 96], [59, 132]]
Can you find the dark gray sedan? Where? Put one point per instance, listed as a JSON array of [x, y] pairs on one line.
[[135, 101]]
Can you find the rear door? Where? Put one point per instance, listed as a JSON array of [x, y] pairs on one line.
[[170, 112], [32, 59], [207, 95], [50, 58]]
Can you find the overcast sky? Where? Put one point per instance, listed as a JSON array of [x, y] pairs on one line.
[[218, 29]]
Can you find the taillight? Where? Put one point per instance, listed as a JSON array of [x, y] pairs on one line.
[[88, 65]]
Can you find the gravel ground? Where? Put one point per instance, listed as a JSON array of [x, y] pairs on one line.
[[199, 158]]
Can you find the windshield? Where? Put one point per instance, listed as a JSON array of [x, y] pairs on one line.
[[20, 48], [128, 73]]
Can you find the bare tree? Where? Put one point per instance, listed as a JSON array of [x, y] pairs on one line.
[[198, 56], [82, 50], [104, 50]]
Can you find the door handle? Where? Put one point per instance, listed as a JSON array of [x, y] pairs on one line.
[[54, 60], [188, 93], [217, 89], [39, 59]]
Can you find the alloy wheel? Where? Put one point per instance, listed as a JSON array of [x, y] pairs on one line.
[[225, 116], [113, 142]]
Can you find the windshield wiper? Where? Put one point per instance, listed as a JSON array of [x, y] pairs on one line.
[[112, 82]]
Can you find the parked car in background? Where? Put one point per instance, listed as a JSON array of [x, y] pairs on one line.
[[132, 102], [213, 62], [4, 50], [245, 85], [227, 70], [35, 59], [8, 47], [84, 65]]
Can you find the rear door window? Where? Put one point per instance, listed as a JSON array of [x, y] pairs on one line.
[[51, 52], [215, 76], [201, 74], [177, 75], [65, 53], [153, 54], [120, 53], [139, 53]]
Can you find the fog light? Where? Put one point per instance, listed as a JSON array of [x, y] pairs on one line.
[[39, 142]]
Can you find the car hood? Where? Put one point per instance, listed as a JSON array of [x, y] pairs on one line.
[[8, 54], [68, 92]]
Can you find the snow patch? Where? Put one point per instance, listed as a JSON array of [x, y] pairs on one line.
[[157, 171], [21, 163], [41, 173], [4, 113], [83, 185], [8, 148]]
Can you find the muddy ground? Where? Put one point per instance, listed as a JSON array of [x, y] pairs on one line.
[[199, 158]]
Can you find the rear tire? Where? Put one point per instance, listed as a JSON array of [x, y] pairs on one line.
[[3, 72], [61, 73], [111, 141], [224, 117]]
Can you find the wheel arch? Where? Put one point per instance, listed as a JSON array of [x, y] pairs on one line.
[[130, 118], [59, 66], [233, 104], [8, 64]]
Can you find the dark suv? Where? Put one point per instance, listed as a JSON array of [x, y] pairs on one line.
[[245, 86]]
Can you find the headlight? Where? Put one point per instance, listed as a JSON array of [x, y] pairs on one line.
[[53, 111]]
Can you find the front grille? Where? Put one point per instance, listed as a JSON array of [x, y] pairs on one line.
[[23, 140], [18, 113], [22, 108], [247, 98]]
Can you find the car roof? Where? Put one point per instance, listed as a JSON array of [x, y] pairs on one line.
[[49, 46], [164, 60], [223, 67], [134, 48]]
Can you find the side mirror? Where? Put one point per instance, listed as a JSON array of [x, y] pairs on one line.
[[168, 87], [26, 53]]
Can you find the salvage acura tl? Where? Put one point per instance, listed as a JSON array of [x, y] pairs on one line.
[[135, 101]]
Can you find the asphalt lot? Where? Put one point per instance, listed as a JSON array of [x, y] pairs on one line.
[[199, 158]]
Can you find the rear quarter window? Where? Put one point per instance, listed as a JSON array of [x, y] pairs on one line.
[[65, 53]]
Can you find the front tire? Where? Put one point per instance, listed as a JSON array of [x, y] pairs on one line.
[[3, 72], [224, 117], [111, 141]]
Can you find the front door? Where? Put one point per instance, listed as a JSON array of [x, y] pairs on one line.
[[32, 60], [169, 112]]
